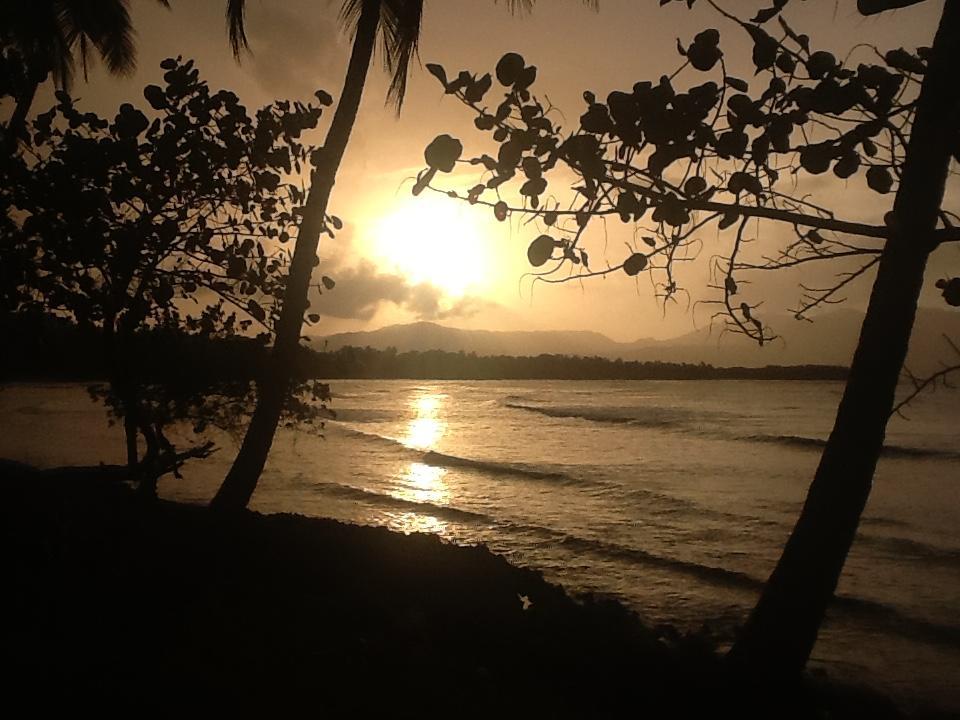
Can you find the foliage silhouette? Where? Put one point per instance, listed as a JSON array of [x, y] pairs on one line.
[[45, 38], [176, 223], [726, 151]]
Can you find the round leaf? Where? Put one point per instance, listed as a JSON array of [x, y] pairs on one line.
[[820, 63], [879, 179], [694, 186], [442, 154], [155, 96], [540, 250], [635, 264], [509, 68]]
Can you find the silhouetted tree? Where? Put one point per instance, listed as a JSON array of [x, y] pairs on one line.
[[397, 24], [367, 362], [44, 38], [177, 224], [726, 151]]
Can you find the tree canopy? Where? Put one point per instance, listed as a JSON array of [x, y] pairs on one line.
[[696, 149], [177, 218]]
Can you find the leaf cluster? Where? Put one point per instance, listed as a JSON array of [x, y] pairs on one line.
[[176, 217], [136, 219], [669, 160]]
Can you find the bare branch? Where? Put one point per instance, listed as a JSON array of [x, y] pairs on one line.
[[941, 378]]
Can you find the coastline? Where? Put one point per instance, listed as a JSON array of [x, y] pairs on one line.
[[112, 599]]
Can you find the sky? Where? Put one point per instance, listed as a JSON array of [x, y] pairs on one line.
[[400, 258]]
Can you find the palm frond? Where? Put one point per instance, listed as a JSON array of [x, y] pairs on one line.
[[60, 61], [350, 14], [400, 24], [105, 26], [52, 36], [236, 27]]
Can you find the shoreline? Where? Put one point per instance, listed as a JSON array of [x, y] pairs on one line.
[[115, 596]]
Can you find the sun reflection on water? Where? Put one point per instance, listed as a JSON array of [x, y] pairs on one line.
[[411, 522], [424, 483], [417, 481], [427, 426]]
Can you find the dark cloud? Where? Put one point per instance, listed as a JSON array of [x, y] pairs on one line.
[[361, 290], [295, 50]]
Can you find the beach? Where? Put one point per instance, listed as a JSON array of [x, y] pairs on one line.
[[165, 609]]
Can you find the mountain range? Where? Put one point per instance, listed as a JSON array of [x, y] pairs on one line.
[[830, 340]]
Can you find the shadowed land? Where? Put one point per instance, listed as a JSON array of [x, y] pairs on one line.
[[114, 601]]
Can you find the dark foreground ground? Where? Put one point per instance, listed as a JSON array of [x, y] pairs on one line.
[[164, 609]]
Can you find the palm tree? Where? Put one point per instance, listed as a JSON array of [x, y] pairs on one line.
[[47, 37], [780, 633], [396, 23]]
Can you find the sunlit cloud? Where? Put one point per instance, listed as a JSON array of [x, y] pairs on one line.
[[362, 289]]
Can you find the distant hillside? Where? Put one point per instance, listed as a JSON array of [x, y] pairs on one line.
[[829, 340], [422, 336], [369, 363]]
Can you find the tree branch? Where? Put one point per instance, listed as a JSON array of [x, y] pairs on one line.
[[940, 377]]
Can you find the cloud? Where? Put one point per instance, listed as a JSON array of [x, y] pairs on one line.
[[297, 48], [361, 290]]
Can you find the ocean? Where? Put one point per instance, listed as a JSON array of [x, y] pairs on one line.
[[673, 496]]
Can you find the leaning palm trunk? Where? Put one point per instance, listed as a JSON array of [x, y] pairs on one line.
[[241, 480], [16, 129], [782, 629]]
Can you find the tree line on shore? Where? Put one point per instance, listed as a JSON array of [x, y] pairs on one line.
[[39, 344]]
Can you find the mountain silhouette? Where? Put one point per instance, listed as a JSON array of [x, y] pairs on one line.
[[829, 340]]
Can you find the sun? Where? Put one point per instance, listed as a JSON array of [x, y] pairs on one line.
[[434, 240]]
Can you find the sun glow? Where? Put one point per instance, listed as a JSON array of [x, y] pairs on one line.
[[427, 426], [417, 481], [434, 240]]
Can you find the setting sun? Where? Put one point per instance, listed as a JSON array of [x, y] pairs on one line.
[[434, 240]]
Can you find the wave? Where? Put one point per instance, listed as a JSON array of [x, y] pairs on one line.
[[425, 508], [663, 504], [819, 443], [372, 436], [438, 459], [675, 419], [506, 528], [896, 622], [878, 521], [906, 549], [640, 416], [364, 415], [710, 573], [889, 619], [491, 467]]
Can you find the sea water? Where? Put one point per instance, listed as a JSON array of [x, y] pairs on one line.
[[674, 496]]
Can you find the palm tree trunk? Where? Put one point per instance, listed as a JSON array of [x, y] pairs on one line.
[[782, 629], [241, 480], [17, 125]]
